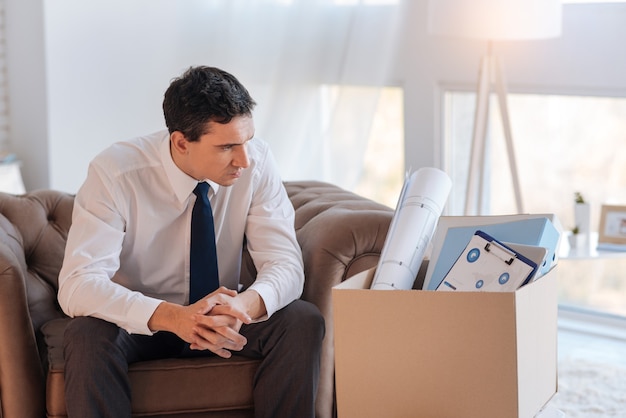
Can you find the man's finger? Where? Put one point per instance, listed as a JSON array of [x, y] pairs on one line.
[[231, 311], [223, 337]]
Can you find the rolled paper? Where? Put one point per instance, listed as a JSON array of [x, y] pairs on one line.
[[420, 205]]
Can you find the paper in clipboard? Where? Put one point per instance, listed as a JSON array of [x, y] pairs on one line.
[[488, 265], [536, 254]]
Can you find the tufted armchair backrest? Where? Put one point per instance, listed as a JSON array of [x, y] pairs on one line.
[[34, 229]]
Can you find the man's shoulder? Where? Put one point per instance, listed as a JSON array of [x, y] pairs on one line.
[[132, 154], [259, 146], [259, 151]]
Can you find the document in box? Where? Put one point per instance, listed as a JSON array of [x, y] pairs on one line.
[[488, 265], [453, 233]]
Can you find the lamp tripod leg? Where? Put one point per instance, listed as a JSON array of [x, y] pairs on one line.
[[473, 196], [506, 125]]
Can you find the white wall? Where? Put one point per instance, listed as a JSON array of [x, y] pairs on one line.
[[107, 71], [101, 72], [26, 74]]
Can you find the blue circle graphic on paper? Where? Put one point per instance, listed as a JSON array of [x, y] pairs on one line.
[[479, 284], [504, 277], [473, 255]]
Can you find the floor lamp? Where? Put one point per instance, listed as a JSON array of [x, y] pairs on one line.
[[492, 20]]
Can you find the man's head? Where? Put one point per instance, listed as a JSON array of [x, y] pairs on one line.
[[202, 95], [209, 116]]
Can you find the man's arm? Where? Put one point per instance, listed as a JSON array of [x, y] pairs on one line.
[[271, 239], [92, 258]]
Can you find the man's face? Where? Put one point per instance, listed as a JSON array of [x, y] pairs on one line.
[[219, 155]]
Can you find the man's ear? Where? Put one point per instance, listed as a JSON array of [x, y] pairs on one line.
[[179, 142]]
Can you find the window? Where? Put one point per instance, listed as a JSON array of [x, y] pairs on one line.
[[383, 165], [563, 145], [365, 134]]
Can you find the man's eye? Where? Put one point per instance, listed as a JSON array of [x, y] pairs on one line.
[[227, 147]]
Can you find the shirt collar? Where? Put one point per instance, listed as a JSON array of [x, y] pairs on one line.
[[182, 183]]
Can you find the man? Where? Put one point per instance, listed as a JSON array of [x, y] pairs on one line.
[[126, 274]]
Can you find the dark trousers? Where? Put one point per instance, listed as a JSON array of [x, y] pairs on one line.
[[97, 354]]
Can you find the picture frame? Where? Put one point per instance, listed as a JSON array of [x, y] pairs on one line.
[[612, 225]]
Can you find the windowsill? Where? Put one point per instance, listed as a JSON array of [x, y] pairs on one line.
[[592, 322]]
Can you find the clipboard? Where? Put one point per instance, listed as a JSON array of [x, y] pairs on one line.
[[488, 265], [536, 254]]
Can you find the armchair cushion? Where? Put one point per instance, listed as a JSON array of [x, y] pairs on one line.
[[189, 382]]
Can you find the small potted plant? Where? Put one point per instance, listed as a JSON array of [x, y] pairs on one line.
[[574, 238], [582, 222], [578, 197], [582, 214]]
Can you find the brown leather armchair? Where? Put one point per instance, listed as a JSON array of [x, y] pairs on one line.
[[340, 234]]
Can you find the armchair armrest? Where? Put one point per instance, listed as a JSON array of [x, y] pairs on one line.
[[22, 391], [341, 234], [338, 243]]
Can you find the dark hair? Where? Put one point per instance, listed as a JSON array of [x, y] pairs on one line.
[[202, 95]]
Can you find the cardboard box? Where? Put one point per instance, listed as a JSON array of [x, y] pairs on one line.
[[428, 354]]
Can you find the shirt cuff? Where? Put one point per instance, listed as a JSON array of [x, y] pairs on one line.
[[139, 314], [267, 294]]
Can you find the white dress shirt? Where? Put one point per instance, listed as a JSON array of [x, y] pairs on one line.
[[128, 246]]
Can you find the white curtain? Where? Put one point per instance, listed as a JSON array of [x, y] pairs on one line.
[[301, 60]]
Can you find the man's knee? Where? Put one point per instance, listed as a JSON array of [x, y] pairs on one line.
[[87, 336], [299, 324], [85, 329], [307, 319]]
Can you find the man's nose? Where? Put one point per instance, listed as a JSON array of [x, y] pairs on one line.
[[241, 157]]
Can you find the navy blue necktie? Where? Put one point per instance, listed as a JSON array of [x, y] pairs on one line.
[[203, 276]]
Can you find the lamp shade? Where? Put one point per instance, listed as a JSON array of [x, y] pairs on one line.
[[495, 19]]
